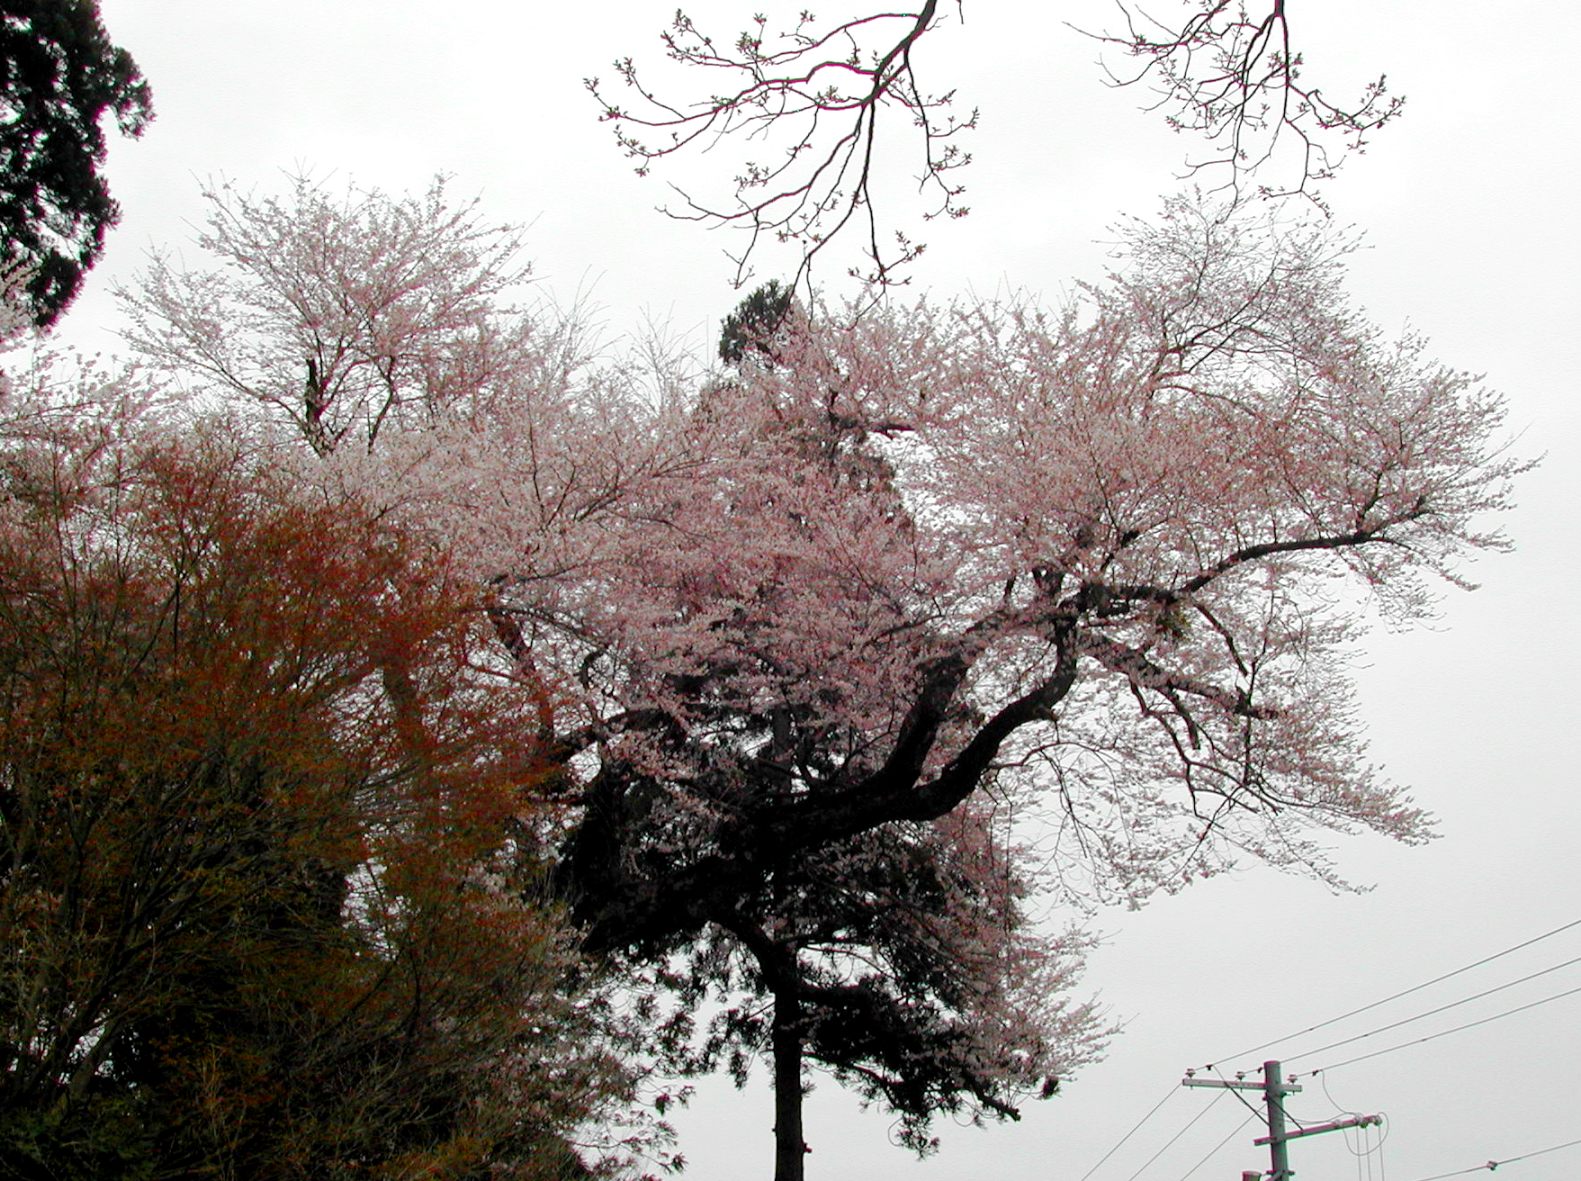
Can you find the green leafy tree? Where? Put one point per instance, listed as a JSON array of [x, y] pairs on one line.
[[59, 76]]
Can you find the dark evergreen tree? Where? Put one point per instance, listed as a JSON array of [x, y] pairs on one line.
[[752, 326], [59, 74], [900, 961]]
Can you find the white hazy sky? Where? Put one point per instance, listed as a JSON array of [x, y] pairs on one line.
[[1470, 208]]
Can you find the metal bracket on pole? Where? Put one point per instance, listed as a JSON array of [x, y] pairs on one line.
[[1237, 1085], [1353, 1121]]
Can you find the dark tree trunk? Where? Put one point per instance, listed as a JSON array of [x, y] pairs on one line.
[[789, 1147]]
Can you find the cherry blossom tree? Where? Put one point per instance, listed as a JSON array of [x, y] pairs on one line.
[[806, 100], [339, 312], [393, 335], [1138, 503], [795, 638], [1098, 557]]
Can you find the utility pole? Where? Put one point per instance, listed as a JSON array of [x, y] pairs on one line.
[[1274, 1089], [1274, 1093]]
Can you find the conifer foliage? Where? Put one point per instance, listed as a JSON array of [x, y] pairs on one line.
[[59, 77]]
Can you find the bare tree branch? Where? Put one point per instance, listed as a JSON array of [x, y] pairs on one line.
[[808, 102], [1236, 81], [813, 99]]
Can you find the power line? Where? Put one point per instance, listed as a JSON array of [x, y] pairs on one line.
[[1497, 1164], [1237, 1093], [1443, 1033], [1171, 1141], [1275, 1087], [1435, 1012], [1384, 1126], [1233, 1132], [1398, 995], [1154, 1111]]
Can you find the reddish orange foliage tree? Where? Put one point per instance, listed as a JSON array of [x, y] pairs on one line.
[[268, 841]]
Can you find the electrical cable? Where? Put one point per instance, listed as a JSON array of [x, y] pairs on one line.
[[1171, 1142], [1435, 1036], [1233, 1133], [1167, 1096], [1384, 1127], [1398, 995], [1279, 1102], [1236, 1091], [1491, 1165], [1435, 1012], [1375, 1148], [1338, 1110], [1370, 1137]]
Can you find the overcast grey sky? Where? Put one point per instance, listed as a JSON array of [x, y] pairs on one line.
[[1469, 204]]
